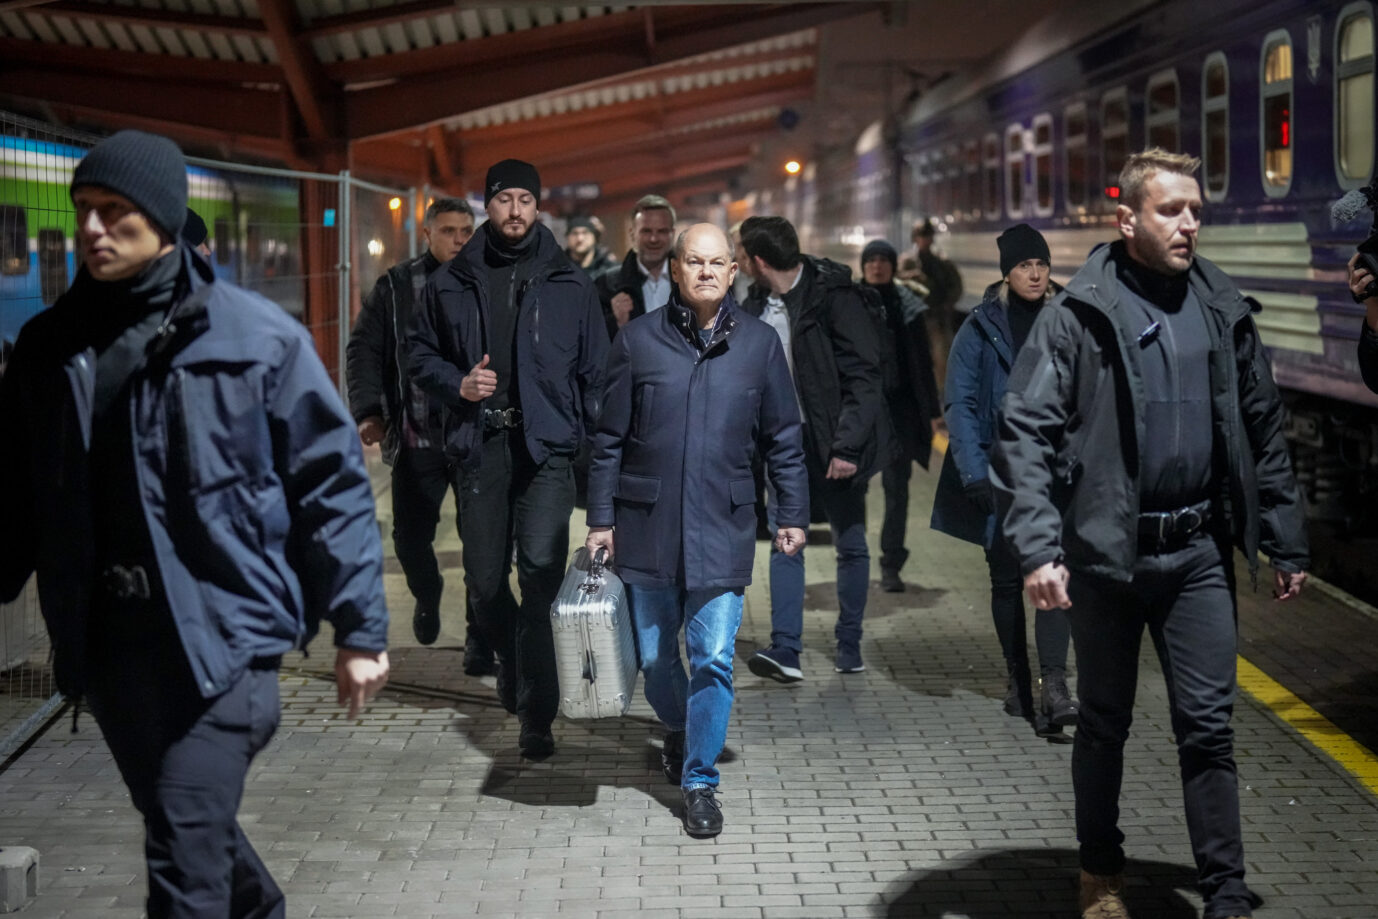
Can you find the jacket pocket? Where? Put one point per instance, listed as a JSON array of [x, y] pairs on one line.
[[217, 427], [637, 489], [742, 491], [644, 399]]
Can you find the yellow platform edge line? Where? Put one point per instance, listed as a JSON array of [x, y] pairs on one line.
[[1352, 756]]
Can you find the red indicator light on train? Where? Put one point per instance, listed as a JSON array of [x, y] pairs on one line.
[[1286, 129], [1112, 191]]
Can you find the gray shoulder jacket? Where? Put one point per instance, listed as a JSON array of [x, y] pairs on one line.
[[1066, 460]]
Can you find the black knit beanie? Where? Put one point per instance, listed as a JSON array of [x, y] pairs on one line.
[[879, 248], [511, 174], [586, 223], [194, 230], [147, 169], [1020, 243]]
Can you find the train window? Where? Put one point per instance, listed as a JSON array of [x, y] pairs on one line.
[[1215, 126], [14, 240], [1014, 170], [1074, 129], [221, 243], [52, 264], [971, 156], [1114, 139], [1043, 164], [991, 201], [1354, 97], [1275, 101], [1164, 111]]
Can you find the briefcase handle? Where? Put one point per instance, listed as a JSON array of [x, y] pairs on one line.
[[593, 581]]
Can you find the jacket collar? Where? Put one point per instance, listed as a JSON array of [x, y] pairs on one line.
[[683, 320], [1097, 285], [551, 259]]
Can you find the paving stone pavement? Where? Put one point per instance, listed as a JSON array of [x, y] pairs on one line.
[[899, 792]]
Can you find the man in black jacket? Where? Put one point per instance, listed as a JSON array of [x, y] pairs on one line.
[[693, 391], [582, 245], [389, 408], [1127, 521], [835, 359], [642, 284], [510, 340], [915, 411], [187, 486]]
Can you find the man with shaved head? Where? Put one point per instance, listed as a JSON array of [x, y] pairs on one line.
[[691, 391]]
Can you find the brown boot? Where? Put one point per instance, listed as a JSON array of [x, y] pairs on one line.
[[1100, 896]]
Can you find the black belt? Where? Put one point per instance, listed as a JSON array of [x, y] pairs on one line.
[[126, 582], [1163, 530], [501, 419]]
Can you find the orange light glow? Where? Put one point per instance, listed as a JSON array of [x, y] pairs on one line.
[[793, 167], [395, 204]]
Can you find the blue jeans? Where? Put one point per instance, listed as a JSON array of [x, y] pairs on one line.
[[699, 702], [846, 510], [1186, 600]]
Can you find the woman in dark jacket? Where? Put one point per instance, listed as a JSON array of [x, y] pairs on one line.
[[978, 369]]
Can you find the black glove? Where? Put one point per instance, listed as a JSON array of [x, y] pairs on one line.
[[981, 494]]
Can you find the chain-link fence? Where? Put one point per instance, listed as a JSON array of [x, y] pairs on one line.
[[306, 241]]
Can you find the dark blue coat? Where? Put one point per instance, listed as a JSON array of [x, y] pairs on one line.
[[978, 370], [250, 474], [561, 345], [671, 467]]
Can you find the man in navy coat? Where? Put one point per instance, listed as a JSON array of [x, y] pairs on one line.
[[692, 392]]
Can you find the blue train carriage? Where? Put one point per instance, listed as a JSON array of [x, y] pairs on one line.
[[254, 229], [1278, 100]]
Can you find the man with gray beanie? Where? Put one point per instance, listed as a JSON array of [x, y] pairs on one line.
[[188, 487], [509, 338]]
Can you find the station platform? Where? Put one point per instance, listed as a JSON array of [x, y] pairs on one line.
[[903, 791]]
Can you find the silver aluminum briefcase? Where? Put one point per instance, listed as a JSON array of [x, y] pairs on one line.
[[595, 651]]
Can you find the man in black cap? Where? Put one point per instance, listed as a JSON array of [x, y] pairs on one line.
[[189, 489], [915, 410], [509, 338], [1141, 434], [391, 410], [582, 238]]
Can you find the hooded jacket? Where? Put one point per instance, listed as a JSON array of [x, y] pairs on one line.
[[978, 368], [837, 372], [250, 476], [560, 348], [1071, 433], [671, 467]]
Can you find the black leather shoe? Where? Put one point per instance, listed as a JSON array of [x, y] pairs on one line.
[[1018, 691], [672, 757], [890, 581], [425, 622], [702, 813], [536, 744], [1058, 703], [478, 657]]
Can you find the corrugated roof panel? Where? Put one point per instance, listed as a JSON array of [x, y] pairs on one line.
[[520, 17], [570, 13], [90, 29], [267, 49], [171, 40], [469, 24], [395, 38], [120, 36], [370, 42], [228, 8], [10, 24], [545, 15], [196, 44], [250, 8], [248, 51], [324, 50], [421, 34], [220, 44], [495, 21], [444, 28]]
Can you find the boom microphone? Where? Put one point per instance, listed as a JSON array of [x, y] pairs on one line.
[[1348, 207]]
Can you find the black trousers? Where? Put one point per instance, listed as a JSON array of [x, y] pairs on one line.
[[510, 502], [1186, 600], [184, 760], [1051, 630], [420, 480], [894, 478]]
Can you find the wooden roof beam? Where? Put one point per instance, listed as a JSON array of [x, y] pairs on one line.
[[165, 67], [315, 97], [636, 184], [665, 159], [227, 144]]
